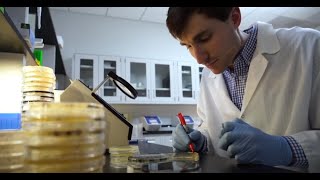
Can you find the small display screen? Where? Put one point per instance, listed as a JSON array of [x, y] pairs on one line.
[[188, 120], [152, 120]]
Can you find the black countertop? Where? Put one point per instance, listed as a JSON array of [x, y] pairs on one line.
[[209, 163]]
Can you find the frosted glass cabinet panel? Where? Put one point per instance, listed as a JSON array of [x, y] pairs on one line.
[[109, 92], [162, 78], [137, 75], [85, 68], [186, 80], [198, 79]]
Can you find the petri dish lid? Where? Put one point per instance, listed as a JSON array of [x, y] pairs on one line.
[[61, 111], [11, 137], [145, 158], [38, 79], [40, 69], [41, 84], [123, 149], [39, 74]]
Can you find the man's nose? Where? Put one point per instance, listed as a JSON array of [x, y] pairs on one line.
[[200, 54]]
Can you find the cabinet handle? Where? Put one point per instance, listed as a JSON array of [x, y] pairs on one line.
[[148, 93]]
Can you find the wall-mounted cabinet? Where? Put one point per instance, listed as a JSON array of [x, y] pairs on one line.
[[153, 79], [93, 69], [156, 81]]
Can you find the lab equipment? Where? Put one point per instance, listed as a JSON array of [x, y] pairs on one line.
[[151, 123], [250, 145], [189, 121], [119, 130]]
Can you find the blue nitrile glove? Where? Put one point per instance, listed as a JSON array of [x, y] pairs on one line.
[[250, 145], [181, 140]]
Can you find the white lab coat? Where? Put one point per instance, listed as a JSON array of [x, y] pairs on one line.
[[282, 94]]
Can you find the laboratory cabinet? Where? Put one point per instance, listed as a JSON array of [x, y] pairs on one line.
[[156, 81], [93, 69], [153, 79], [186, 82]]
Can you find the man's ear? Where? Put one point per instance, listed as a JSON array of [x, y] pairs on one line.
[[236, 17]]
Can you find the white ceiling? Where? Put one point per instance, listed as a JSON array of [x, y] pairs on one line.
[[279, 16]]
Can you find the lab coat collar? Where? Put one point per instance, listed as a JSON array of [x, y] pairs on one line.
[[267, 43]]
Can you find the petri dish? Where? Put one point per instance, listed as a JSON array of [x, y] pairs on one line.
[[41, 84], [40, 94], [38, 74], [65, 112], [135, 162], [37, 98], [185, 156], [15, 147], [119, 155], [11, 137], [11, 161], [39, 69], [62, 153], [27, 80], [37, 88], [172, 167], [84, 165], [63, 139], [145, 158]]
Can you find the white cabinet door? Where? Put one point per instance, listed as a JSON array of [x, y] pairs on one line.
[[198, 79], [138, 75], [162, 81], [109, 92], [86, 69], [186, 76]]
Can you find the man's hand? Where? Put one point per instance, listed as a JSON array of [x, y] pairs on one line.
[[181, 140], [250, 145]]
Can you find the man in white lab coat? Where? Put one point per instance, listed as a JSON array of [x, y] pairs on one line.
[[260, 90]]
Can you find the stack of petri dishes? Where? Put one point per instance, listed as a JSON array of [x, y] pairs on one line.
[[38, 85], [64, 137], [11, 151], [119, 155]]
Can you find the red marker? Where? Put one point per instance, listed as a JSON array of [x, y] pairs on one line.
[[184, 124]]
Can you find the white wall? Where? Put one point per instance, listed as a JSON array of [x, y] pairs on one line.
[[84, 33]]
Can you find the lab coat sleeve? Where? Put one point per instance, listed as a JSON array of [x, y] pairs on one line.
[[310, 140]]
